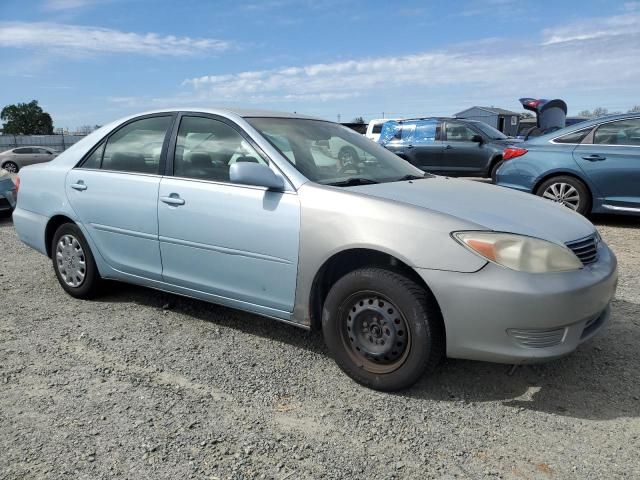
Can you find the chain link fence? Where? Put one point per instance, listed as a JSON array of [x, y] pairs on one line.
[[56, 142]]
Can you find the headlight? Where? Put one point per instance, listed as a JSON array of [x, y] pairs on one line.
[[518, 252]]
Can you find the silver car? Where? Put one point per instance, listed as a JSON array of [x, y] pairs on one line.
[[398, 268], [16, 158]]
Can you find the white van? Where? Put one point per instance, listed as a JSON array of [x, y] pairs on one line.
[[375, 127]]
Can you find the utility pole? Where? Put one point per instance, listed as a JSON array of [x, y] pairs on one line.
[[382, 114], [338, 118]]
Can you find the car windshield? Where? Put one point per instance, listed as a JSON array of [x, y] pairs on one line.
[[489, 131], [331, 154]]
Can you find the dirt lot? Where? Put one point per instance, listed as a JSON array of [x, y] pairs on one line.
[[141, 384]]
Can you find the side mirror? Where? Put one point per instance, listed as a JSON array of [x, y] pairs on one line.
[[249, 173], [477, 139]]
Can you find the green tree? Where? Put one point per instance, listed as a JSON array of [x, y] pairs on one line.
[[358, 120], [26, 119], [634, 109]]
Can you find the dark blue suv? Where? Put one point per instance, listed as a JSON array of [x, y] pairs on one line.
[[448, 146]]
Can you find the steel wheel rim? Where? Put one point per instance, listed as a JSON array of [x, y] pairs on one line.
[[71, 261], [347, 156], [374, 332], [11, 167], [563, 193]]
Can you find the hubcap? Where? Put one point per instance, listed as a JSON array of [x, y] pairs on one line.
[[376, 333], [71, 261], [563, 193], [11, 167]]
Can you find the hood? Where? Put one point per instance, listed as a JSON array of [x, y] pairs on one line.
[[495, 208]]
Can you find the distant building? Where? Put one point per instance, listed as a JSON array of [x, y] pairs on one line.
[[504, 120]]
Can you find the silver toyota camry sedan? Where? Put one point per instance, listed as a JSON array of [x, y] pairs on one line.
[[256, 211]]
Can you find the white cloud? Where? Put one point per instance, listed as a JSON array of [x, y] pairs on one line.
[[76, 39], [588, 55], [617, 25]]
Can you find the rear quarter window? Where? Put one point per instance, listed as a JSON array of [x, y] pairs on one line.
[[573, 137]]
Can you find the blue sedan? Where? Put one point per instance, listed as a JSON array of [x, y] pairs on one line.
[[589, 167]]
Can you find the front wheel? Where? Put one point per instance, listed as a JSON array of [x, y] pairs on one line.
[[568, 191], [73, 262], [382, 329]]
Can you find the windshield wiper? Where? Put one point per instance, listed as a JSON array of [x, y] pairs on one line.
[[349, 182], [410, 177]]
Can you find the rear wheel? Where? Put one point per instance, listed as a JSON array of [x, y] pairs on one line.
[[494, 170], [10, 167], [568, 191], [382, 329], [348, 155], [73, 262]]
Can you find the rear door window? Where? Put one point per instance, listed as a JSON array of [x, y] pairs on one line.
[[137, 146], [23, 150], [426, 132]]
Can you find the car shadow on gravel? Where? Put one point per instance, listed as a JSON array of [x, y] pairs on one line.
[[597, 382], [622, 221], [216, 314]]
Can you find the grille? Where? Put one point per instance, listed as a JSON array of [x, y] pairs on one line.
[[586, 249], [538, 338]]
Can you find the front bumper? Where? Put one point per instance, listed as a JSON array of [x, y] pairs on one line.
[[500, 315]]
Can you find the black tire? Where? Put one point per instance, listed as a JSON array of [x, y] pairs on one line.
[[348, 155], [91, 282], [408, 306], [583, 204], [11, 167], [494, 170]]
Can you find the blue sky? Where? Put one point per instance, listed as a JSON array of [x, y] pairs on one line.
[[92, 61]]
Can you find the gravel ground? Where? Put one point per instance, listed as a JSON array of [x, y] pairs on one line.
[[141, 384]]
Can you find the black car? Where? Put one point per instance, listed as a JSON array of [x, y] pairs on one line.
[[449, 146]]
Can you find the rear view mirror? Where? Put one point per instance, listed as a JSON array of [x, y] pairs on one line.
[[477, 139], [248, 173]]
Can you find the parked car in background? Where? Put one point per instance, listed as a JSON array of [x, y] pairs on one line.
[[593, 166], [449, 146], [16, 158], [397, 267], [375, 127], [7, 193]]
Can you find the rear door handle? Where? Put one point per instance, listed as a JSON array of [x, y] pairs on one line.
[[173, 199], [80, 186], [448, 147], [594, 158]]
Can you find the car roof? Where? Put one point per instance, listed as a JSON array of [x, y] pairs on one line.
[[582, 125], [240, 112]]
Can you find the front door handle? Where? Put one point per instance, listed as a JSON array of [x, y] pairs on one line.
[[594, 158], [80, 186], [448, 147], [173, 199]]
